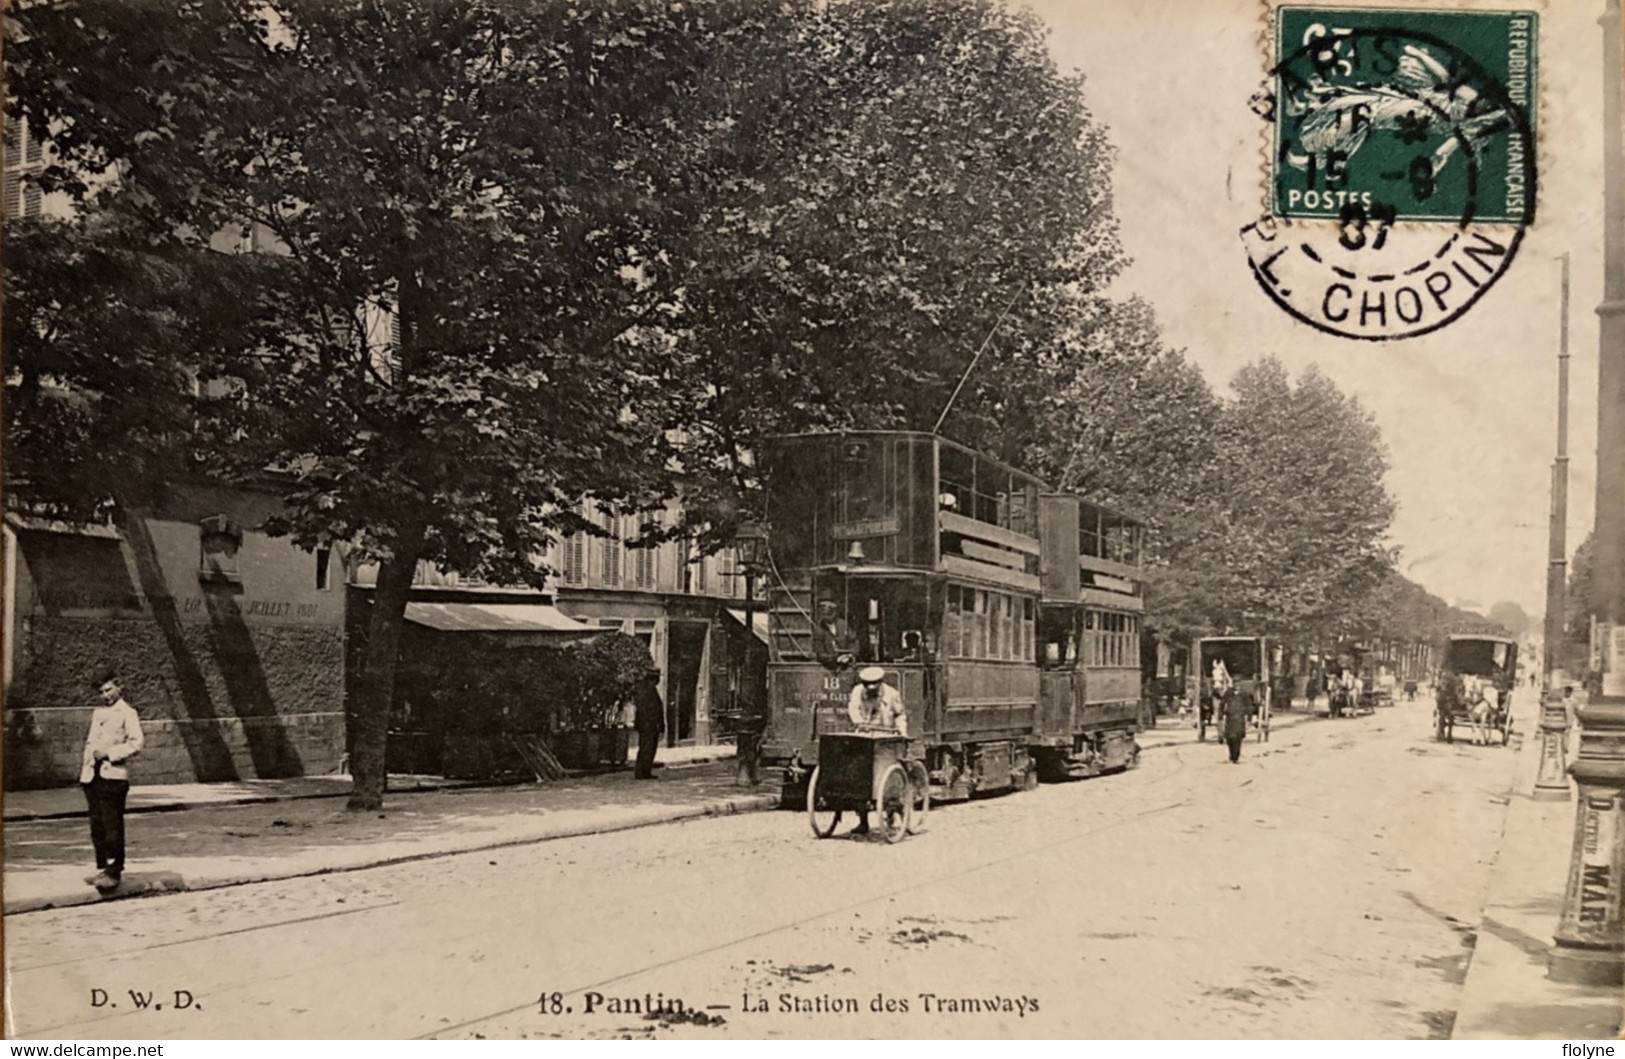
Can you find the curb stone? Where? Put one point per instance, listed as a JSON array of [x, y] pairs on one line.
[[171, 882]]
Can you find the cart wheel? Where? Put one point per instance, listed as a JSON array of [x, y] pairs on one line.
[[1506, 732], [922, 796], [895, 802], [823, 820]]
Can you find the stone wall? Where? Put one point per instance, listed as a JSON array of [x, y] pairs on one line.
[[43, 747], [216, 703], [234, 677]]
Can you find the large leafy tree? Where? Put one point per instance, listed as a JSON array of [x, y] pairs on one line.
[[1267, 510], [444, 358], [523, 253], [881, 190], [1304, 494], [97, 407]]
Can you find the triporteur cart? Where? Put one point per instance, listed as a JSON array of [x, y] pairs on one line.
[[1476, 669], [867, 772], [1243, 661]]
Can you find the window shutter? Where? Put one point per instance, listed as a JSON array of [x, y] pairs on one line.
[[575, 559], [643, 559], [14, 196], [611, 553]]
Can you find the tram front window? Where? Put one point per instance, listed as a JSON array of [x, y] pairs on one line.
[[872, 621]]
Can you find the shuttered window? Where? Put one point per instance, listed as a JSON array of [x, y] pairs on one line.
[[645, 561], [23, 154], [610, 549], [575, 559]]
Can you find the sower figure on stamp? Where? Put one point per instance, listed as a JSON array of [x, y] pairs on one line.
[[650, 722], [114, 738], [875, 706], [1236, 710]]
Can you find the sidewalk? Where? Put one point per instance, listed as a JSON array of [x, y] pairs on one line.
[[187, 837], [203, 836], [1507, 994], [63, 802]]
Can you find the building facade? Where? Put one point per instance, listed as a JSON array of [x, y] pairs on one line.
[[689, 608], [229, 643]]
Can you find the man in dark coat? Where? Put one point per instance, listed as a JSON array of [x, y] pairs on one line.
[[1237, 708], [650, 722]]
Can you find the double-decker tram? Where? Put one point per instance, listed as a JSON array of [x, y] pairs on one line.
[[1004, 614], [1089, 639]]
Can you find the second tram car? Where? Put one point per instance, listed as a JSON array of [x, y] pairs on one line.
[[1006, 615]]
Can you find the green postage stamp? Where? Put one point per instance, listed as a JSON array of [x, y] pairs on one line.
[[1411, 115], [1401, 175]]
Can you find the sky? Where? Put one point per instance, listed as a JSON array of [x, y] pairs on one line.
[[1469, 412]]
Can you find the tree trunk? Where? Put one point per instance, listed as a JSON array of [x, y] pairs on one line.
[[370, 719]]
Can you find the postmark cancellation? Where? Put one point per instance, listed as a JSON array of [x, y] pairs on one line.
[[1401, 168]]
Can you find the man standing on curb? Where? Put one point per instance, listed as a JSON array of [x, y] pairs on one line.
[[115, 737], [650, 722]]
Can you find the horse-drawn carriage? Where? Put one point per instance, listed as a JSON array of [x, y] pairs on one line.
[[1351, 686], [1224, 663], [1475, 686]]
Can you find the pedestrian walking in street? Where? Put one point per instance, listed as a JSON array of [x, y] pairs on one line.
[[1236, 709], [114, 738], [650, 722]]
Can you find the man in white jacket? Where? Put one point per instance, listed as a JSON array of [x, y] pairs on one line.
[[115, 737]]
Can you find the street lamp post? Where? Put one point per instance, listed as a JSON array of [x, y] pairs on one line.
[[1551, 784], [1590, 938], [750, 544]]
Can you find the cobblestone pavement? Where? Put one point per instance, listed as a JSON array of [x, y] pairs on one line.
[[1324, 887]]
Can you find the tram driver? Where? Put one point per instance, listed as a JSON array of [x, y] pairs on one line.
[[875, 706], [834, 642]]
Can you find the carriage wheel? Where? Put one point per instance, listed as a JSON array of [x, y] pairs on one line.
[[894, 798], [922, 796], [822, 819], [1506, 730]]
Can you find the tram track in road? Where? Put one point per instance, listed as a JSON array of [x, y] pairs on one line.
[[391, 943], [783, 928], [300, 920]]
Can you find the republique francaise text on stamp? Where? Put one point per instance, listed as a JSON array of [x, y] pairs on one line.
[[1402, 174]]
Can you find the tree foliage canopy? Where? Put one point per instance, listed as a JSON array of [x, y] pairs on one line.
[[523, 253], [1268, 508]]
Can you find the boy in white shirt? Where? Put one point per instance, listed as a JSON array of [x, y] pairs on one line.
[[115, 737]]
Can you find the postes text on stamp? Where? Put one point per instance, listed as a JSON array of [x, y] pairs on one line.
[[1402, 175]]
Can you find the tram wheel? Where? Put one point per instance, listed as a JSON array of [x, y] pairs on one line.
[[823, 820], [922, 796], [895, 800]]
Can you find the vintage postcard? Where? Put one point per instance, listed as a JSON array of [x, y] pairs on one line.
[[730, 519]]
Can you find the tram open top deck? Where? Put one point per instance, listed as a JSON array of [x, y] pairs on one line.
[[870, 502]]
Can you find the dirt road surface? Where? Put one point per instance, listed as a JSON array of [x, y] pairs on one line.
[[1326, 886]]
